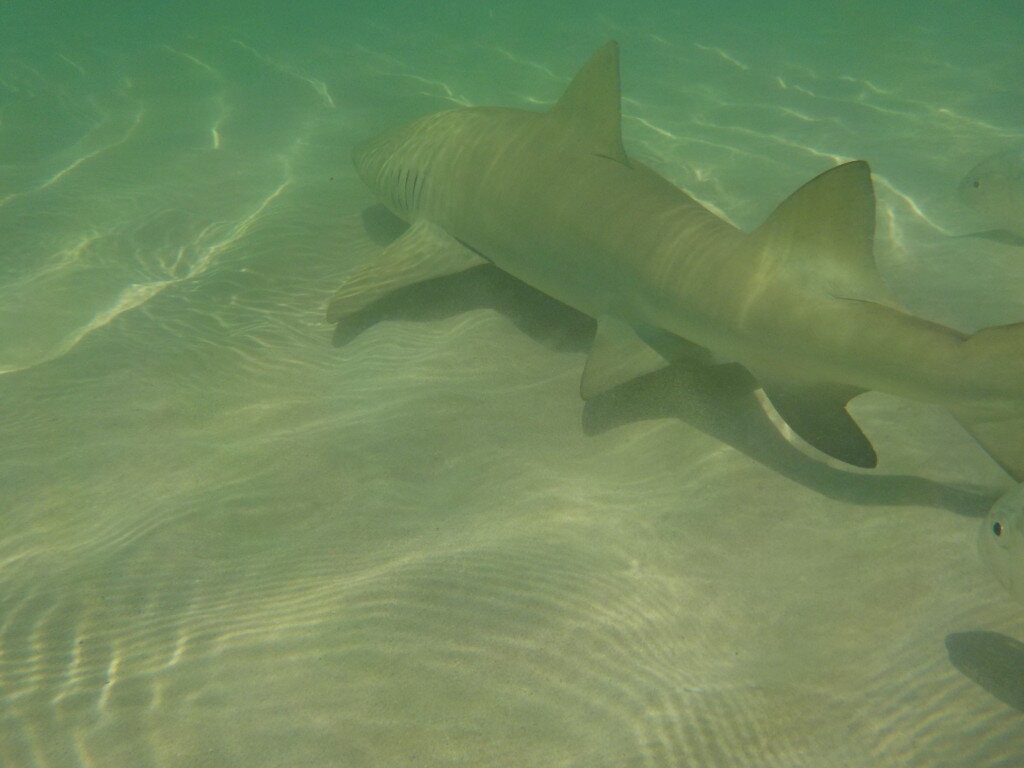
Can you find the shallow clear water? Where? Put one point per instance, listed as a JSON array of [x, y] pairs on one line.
[[229, 542]]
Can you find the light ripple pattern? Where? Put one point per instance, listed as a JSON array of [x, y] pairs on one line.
[[227, 542]]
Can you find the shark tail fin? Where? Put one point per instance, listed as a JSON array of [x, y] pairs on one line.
[[1001, 437], [999, 428]]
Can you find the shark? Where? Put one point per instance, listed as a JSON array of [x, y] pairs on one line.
[[994, 190], [1001, 541], [552, 198]]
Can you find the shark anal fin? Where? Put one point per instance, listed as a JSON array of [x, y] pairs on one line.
[[616, 356], [817, 413], [593, 103], [425, 251]]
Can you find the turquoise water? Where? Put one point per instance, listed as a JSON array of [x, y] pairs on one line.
[[230, 542]]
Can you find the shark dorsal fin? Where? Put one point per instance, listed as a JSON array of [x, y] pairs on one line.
[[593, 103], [824, 233]]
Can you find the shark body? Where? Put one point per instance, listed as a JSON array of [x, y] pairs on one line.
[[553, 199]]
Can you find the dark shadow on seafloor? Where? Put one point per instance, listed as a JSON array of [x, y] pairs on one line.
[[381, 225], [717, 400], [993, 661], [720, 402], [541, 317]]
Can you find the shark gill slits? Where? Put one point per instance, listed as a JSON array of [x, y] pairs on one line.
[[411, 179], [384, 185], [405, 188], [417, 190], [400, 198]]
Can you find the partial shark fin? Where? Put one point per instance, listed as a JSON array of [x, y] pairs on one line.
[[998, 427], [616, 356], [1003, 236], [425, 251], [593, 103], [817, 412], [674, 349], [1002, 438], [824, 233]]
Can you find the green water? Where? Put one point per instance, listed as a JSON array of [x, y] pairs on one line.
[[229, 542]]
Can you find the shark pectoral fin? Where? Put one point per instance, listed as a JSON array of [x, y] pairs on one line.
[[593, 103], [824, 233], [997, 425], [425, 251], [1002, 437], [616, 356], [817, 413]]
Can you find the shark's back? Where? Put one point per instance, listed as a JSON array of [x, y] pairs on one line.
[[553, 199]]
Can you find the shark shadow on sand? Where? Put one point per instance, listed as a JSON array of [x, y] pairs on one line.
[[993, 661]]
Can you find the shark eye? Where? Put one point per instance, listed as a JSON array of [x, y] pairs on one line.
[[997, 528], [976, 184]]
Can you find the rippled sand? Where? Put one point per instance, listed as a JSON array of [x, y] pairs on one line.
[[229, 542]]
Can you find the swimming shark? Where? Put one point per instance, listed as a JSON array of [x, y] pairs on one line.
[[994, 189], [552, 198]]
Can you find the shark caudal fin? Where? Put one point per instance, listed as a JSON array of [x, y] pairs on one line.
[[1002, 438], [998, 354]]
